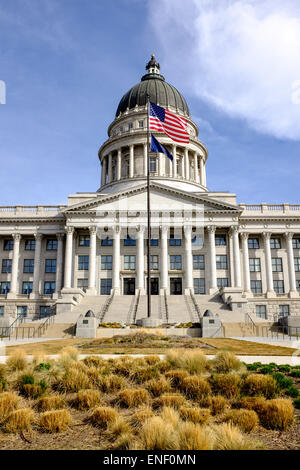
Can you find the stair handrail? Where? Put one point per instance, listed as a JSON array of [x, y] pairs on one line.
[[166, 306], [249, 321], [131, 316], [43, 327], [221, 328], [20, 319], [191, 314], [105, 307], [195, 305]]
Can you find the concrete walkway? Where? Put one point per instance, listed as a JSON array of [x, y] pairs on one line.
[[286, 343]]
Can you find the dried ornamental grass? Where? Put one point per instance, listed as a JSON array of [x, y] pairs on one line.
[[55, 421], [250, 403], [156, 434], [133, 397], [73, 380], [54, 402], [218, 404], [86, 399], [32, 391], [103, 415], [195, 387], [226, 361], [117, 428], [246, 420], [193, 437], [195, 415], [8, 403], [176, 377], [140, 416], [112, 383], [228, 437], [277, 414], [227, 385], [19, 420], [17, 360], [257, 384], [174, 400], [157, 387]]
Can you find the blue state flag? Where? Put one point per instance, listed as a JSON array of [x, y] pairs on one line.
[[157, 147]]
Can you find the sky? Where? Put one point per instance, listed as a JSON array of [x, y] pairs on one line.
[[67, 63]]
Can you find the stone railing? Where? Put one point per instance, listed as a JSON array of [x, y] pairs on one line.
[[269, 209], [11, 211]]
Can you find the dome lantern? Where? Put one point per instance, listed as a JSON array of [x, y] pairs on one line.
[[153, 66]]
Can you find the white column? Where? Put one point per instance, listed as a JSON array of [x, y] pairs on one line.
[[37, 263], [174, 165], [291, 265], [110, 167], [119, 164], [59, 262], [160, 165], [268, 259], [116, 262], [202, 176], [212, 259], [231, 266], [236, 256], [92, 261], [140, 265], [196, 173], [131, 161], [103, 173], [182, 167], [15, 266], [68, 258], [246, 268], [164, 285], [188, 259], [186, 163], [145, 160]]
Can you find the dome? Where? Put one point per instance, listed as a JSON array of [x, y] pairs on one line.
[[89, 314], [160, 92], [208, 313]]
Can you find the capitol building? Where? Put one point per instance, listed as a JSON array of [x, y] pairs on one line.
[[79, 256]]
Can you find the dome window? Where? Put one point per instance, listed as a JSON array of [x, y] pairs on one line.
[[141, 124]]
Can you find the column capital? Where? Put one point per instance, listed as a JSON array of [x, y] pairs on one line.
[[244, 236], [211, 228], [234, 229], [140, 228], [266, 235], [69, 229], [60, 236], [38, 236], [92, 229], [16, 236], [288, 235], [187, 230], [164, 229]]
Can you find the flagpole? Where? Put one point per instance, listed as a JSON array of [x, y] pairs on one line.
[[148, 214]]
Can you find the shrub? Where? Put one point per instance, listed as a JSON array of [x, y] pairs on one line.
[[50, 403], [156, 434], [297, 403], [132, 397], [246, 420], [19, 420], [295, 373], [26, 379], [103, 415], [174, 400], [17, 360], [282, 381], [195, 415], [140, 416], [251, 403], [55, 420], [43, 366], [256, 384], [8, 403], [176, 377], [229, 437], [255, 366], [226, 361], [226, 384], [86, 399], [292, 391], [218, 404], [277, 414], [195, 387], [193, 437], [266, 369], [284, 368], [3, 384], [157, 387]]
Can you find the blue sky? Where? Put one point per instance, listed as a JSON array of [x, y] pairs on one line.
[[67, 63]]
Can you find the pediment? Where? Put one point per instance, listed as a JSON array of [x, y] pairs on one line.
[[162, 198]]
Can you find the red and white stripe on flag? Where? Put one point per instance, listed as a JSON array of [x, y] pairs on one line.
[[172, 125]]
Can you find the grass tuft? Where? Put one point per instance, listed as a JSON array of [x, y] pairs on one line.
[[19, 420], [17, 360], [132, 397], [226, 361], [256, 385], [277, 414], [8, 403], [227, 385], [103, 415], [55, 421], [246, 420], [87, 399], [195, 415], [54, 402]]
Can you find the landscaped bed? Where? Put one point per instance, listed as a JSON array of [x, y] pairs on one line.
[[185, 401]]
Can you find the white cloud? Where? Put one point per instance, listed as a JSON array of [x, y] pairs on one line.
[[241, 56]]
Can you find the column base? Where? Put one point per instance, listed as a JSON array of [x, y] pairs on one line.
[[293, 294], [115, 291], [188, 291], [149, 322], [91, 291], [270, 294], [34, 295], [164, 290], [248, 293], [11, 295]]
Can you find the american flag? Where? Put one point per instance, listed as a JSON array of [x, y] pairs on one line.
[[161, 120]]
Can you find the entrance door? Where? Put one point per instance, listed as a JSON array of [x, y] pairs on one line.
[[154, 286], [176, 286], [129, 286]]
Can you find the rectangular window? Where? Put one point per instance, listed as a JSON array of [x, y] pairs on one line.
[[154, 242], [198, 262], [221, 261], [152, 164], [253, 243], [30, 244], [27, 288], [49, 287], [84, 240], [106, 263], [8, 245], [256, 287], [297, 264], [296, 243], [197, 240], [105, 286], [277, 265], [129, 262], [141, 124], [129, 241], [50, 266], [284, 310], [51, 244], [45, 311], [278, 286], [22, 310], [174, 241], [220, 239], [298, 285], [199, 285], [130, 126], [6, 265], [4, 287], [222, 282], [254, 265], [154, 262], [1, 310], [28, 266], [107, 242], [261, 311], [83, 263], [175, 262], [82, 284], [275, 243]]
